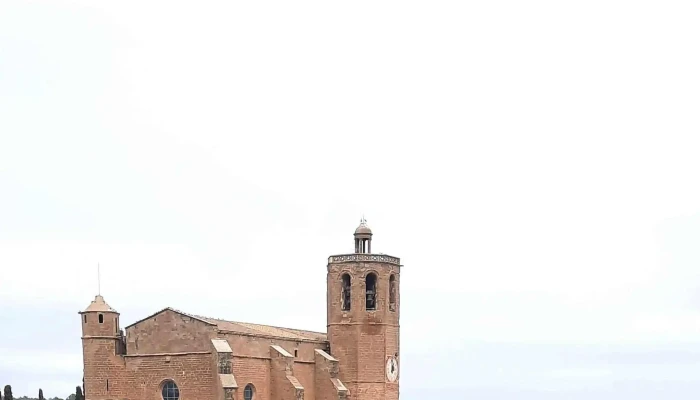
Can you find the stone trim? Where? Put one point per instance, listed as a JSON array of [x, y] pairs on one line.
[[186, 353], [101, 337], [282, 351], [362, 257], [363, 323]]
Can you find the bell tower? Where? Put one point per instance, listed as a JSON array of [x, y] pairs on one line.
[[363, 319]]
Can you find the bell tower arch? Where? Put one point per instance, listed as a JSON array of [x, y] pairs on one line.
[[363, 319]]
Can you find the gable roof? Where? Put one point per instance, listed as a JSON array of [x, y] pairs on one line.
[[249, 329]]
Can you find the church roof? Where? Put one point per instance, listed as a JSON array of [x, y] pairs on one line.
[[246, 328], [99, 305], [266, 330]]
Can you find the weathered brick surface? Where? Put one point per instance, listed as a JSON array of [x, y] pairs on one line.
[[169, 331], [104, 371], [195, 375], [304, 372], [281, 368], [325, 372], [362, 339], [253, 371], [108, 327]]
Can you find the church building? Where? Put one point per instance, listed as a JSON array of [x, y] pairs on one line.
[[173, 355]]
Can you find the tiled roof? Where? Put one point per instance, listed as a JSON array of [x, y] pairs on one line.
[[251, 329], [99, 305], [266, 330]]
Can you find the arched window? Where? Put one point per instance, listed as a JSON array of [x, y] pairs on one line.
[[371, 291], [346, 292], [101, 318], [392, 292], [170, 391], [248, 392]]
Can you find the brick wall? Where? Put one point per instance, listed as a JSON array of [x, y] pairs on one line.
[[92, 327], [255, 371], [169, 331], [195, 375], [103, 370], [251, 362]]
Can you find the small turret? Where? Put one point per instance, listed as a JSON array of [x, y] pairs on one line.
[[99, 319], [103, 349]]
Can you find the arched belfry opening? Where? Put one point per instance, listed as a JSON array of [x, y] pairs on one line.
[[363, 238], [371, 292], [346, 293]]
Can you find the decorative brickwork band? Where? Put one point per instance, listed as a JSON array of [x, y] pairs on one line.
[[343, 258]]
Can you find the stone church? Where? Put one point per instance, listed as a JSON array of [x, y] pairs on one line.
[[173, 355]]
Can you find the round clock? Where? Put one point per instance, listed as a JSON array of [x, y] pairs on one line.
[[392, 369]]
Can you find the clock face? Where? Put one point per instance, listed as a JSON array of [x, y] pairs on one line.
[[392, 369]]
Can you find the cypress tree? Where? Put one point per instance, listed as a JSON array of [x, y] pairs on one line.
[[8, 392], [41, 394], [78, 393]]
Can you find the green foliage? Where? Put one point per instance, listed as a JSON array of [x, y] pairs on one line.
[[79, 393], [41, 394], [32, 398], [8, 392]]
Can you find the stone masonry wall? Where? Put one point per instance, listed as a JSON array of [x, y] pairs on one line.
[[195, 375], [169, 331]]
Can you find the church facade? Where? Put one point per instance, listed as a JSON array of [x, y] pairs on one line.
[[173, 355]]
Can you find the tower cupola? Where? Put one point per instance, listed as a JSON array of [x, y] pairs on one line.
[[363, 238]]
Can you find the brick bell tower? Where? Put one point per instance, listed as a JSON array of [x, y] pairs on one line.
[[363, 319]]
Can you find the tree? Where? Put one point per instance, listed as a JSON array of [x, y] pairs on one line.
[[71, 397], [41, 394], [8, 392], [79, 393]]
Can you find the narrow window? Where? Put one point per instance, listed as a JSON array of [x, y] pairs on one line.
[[248, 392], [108, 385], [224, 363], [296, 353], [101, 318], [85, 318], [371, 291], [392, 292], [346, 292]]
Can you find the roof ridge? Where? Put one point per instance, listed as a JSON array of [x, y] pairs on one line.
[[258, 324], [249, 327]]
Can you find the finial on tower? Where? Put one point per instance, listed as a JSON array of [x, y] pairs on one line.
[[363, 237]]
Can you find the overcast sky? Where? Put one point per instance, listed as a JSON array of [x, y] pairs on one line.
[[534, 164]]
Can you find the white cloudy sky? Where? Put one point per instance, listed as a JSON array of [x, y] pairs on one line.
[[534, 164]]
